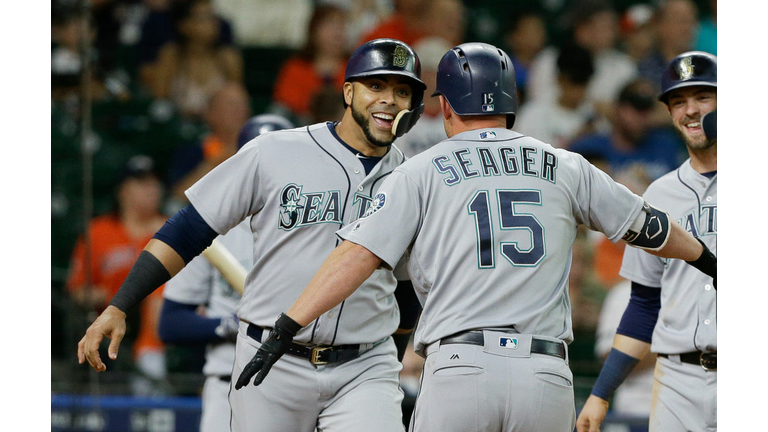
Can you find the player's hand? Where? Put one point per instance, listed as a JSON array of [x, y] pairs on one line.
[[592, 415], [227, 328], [271, 350], [111, 323]]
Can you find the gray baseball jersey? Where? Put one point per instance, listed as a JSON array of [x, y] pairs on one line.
[[684, 396], [300, 186], [688, 317], [487, 219]]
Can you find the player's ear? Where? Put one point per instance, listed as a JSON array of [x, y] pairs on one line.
[[348, 91], [445, 107]]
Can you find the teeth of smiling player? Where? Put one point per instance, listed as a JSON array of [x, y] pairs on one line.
[[693, 125], [384, 116]]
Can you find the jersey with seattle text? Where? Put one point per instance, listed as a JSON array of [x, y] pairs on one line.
[[300, 186], [487, 220], [688, 316]]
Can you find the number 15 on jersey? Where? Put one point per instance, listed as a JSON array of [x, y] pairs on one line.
[[510, 205]]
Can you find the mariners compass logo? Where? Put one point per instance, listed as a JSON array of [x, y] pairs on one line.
[[685, 68], [400, 56]]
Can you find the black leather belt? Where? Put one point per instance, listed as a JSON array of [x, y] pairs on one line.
[[318, 354], [538, 346], [225, 378], [707, 360]]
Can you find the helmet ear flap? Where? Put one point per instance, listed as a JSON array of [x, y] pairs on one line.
[[406, 119]]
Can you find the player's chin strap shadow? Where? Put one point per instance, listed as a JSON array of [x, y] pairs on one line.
[[405, 120]]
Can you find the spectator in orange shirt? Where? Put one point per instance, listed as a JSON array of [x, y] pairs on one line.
[[116, 240], [320, 63], [408, 23]]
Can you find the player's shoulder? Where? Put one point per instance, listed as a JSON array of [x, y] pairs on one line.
[[277, 140], [662, 185]]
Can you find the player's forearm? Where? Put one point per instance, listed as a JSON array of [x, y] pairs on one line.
[[345, 269], [631, 346], [681, 245], [170, 259]]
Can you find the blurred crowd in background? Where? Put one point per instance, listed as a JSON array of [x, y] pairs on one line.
[[173, 81]]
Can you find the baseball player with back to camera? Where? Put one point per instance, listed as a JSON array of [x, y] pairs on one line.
[[299, 186], [486, 220], [673, 308], [200, 284]]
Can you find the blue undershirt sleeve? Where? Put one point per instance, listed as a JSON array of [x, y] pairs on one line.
[[640, 317], [187, 233], [180, 324]]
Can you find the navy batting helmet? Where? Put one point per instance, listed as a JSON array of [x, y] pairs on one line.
[[260, 124], [478, 79], [692, 68], [390, 57]]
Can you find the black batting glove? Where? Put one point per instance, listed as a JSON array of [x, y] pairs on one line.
[[706, 263], [271, 350]]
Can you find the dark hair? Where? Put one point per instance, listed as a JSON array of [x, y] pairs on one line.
[[517, 17], [639, 94], [309, 49], [180, 11], [584, 10], [575, 63]]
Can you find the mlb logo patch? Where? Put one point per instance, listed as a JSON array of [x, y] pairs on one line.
[[508, 342], [377, 203], [488, 108], [487, 135]]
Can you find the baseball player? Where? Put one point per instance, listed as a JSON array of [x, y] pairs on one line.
[[486, 220], [673, 308], [199, 284], [299, 186]]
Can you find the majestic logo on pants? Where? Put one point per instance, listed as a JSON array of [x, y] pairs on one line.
[[508, 342]]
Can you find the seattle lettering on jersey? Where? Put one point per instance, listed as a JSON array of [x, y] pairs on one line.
[[703, 223], [463, 164], [302, 209]]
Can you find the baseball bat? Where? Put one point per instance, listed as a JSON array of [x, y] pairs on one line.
[[227, 264]]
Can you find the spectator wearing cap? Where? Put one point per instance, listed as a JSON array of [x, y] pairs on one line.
[[633, 139], [115, 241], [637, 38], [558, 122], [594, 27]]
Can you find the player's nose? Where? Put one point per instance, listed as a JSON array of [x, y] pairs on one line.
[[387, 95]]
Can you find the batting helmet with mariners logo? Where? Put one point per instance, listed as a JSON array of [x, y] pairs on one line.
[[692, 68], [390, 57], [478, 79]]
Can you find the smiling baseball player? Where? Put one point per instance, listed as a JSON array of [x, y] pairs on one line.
[[299, 186], [199, 284], [673, 308], [486, 220]]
